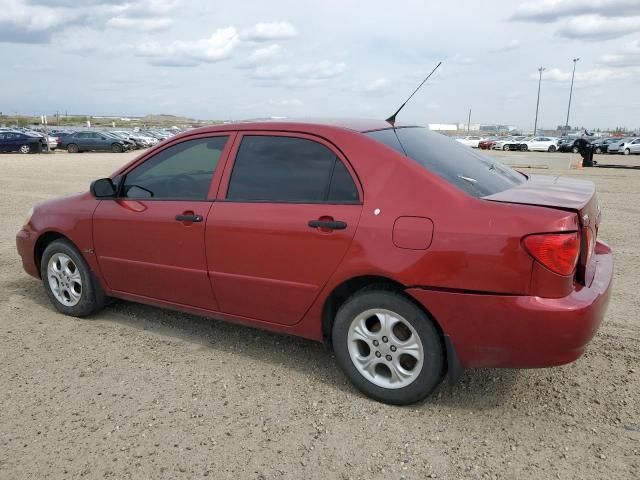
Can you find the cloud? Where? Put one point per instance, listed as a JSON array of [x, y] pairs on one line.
[[589, 77], [597, 27], [266, 32], [550, 11], [507, 47], [379, 86], [21, 22], [217, 47], [305, 75], [142, 24], [36, 21], [628, 57]]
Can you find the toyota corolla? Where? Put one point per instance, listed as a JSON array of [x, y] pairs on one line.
[[411, 255]]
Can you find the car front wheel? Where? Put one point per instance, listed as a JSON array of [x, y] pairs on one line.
[[389, 348], [73, 148], [551, 149], [68, 280], [627, 151], [598, 150], [25, 148], [575, 149]]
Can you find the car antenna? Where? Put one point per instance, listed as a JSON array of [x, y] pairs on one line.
[[392, 118]]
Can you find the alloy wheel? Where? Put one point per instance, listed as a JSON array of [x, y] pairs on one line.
[[385, 348], [64, 279]]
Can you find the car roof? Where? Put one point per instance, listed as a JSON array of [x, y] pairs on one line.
[[354, 124]]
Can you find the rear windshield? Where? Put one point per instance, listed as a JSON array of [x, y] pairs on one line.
[[476, 174]]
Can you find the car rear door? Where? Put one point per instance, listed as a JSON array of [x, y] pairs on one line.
[[288, 209], [149, 241]]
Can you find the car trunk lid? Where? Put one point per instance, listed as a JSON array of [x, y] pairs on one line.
[[565, 194]]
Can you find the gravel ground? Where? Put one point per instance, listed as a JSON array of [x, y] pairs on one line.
[[140, 392]]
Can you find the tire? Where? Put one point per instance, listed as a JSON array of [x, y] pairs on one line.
[[79, 294], [524, 148], [627, 151], [506, 148], [25, 148], [72, 148], [598, 150], [423, 369], [116, 148], [551, 149], [575, 149]]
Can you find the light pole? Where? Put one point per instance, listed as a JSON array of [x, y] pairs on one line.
[[535, 125], [566, 124]]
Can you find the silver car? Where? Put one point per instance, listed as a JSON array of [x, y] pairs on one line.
[[625, 145]]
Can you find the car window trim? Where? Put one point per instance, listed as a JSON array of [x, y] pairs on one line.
[[226, 178], [216, 176]]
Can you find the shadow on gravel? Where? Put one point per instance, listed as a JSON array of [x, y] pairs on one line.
[[477, 389], [623, 167]]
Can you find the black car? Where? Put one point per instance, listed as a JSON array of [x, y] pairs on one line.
[[573, 145], [88, 140], [130, 144], [23, 142], [602, 144]]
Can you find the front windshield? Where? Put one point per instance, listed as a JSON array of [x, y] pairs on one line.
[[476, 174]]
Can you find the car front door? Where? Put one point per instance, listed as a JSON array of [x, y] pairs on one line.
[[289, 208], [150, 240], [635, 146]]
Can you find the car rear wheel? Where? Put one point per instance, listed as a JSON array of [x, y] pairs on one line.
[[575, 149], [598, 150], [116, 148], [388, 347], [68, 280], [627, 151], [72, 148], [25, 148], [506, 148], [551, 149]]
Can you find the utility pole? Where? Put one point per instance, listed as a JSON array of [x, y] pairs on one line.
[[535, 125], [566, 124], [469, 122]]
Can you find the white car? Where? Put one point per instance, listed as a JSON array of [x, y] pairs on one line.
[[542, 144], [626, 146], [471, 141]]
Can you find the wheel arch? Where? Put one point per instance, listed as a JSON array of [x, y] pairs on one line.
[[44, 240], [342, 292]]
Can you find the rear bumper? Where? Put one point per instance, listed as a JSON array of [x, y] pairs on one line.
[[26, 242], [522, 331]]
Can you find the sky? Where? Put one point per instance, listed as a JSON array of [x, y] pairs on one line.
[[332, 58]]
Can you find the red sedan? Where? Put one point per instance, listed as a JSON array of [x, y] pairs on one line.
[[411, 255]]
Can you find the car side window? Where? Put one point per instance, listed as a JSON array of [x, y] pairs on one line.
[[181, 172], [289, 169]]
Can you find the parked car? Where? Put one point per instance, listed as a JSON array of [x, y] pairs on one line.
[[83, 141], [542, 144], [472, 141], [626, 146], [274, 230], [601, 145], [510, 143], [128, 144], [487, 143], [142, 141], [23, 142], [573, 145]]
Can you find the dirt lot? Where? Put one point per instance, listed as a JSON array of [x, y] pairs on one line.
[[139, 392]]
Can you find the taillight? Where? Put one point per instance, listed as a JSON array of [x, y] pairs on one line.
[[558, 252]]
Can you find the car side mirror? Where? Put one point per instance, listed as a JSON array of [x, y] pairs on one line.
[[103, 188]]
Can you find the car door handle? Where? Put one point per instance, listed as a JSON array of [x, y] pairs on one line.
[[189, 218], [328, 224]]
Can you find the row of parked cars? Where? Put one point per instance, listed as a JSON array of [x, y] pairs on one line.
[[25, 140], [626, 146]]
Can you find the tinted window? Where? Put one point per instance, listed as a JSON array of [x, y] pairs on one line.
[[468, 170], [182, 171], [342, 188], [287, 169]]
